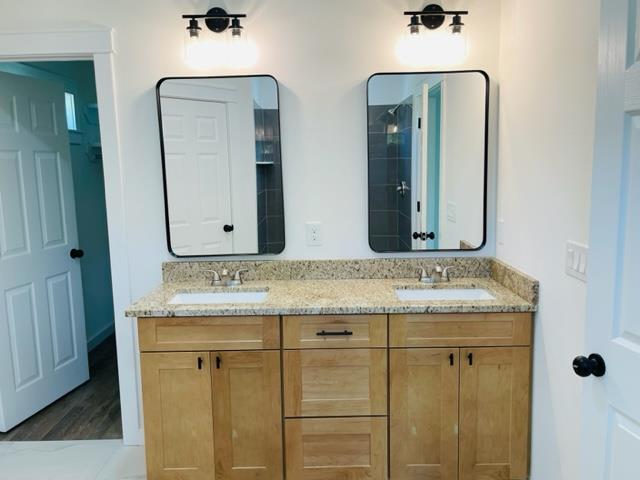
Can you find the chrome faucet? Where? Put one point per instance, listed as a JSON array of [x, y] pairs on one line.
[[226, 278], [438, 275]]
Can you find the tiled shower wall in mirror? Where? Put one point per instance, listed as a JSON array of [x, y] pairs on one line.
[[390, 135], [269, 182]]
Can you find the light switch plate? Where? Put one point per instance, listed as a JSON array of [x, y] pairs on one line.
[[500, 233], [577, 260], [452, 212], [314, 233]]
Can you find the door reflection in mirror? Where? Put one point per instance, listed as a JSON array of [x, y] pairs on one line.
[[222, 166], [427, 138]]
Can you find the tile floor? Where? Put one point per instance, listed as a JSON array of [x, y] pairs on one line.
[[71, 460]]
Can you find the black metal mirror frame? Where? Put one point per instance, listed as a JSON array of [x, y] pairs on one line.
[[486, 162], [164, 168]]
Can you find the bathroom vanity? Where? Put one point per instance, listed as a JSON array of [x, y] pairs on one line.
[[334, 377]]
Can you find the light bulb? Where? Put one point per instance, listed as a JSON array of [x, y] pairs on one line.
[[194, 47], [431, 48], [456, 25], [242, 52], [414, 26]]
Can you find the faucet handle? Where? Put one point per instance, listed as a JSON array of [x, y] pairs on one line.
[[237, 277], [424, 277], [445, 272], [215, 278]]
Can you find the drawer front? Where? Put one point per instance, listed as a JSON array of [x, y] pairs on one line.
[[208, 333], [335, 331], [324, 383], [460, 330], [336, 448]]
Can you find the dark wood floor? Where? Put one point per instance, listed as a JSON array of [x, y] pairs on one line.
[[90, 412]]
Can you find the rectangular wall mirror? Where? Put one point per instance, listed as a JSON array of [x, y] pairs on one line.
[[220, 139], [427, 144]]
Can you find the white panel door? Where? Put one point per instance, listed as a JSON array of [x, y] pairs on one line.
[[611, 436], [43, 352], [196, 153]]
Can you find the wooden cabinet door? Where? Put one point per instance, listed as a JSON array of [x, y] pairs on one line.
[[336, 448], [340, 382], [176, 392], [247, 415], [424, 413], [494, 413]]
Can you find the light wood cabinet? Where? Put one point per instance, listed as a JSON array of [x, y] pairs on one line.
[[340, 382], [176, 393], [494, 413], [336, 448], [424, 413], [247, 415], [451, 391], [212, 415], [334, 331], [460, 330], [460, 413], [209, 333]]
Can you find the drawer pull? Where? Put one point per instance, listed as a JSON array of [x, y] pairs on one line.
[[200, 362], [344, 333], [218, 362], [470, 357], [451, 359]]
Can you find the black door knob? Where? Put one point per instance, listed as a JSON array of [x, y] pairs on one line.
[[592, 365], [423, 236], [228, 228], [76, 253]]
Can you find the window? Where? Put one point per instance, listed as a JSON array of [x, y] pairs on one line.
[[70, 110]]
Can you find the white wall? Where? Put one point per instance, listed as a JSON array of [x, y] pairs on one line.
[[547, 108], [462, 144], [321, 59]]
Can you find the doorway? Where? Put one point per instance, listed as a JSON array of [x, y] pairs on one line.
[[63, 381]]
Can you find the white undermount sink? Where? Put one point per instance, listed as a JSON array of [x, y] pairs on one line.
[[419, 294], [208, 298]]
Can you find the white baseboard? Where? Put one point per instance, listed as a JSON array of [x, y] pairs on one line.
[[99, 337]]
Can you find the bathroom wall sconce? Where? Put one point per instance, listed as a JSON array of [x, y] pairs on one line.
[[426, 44], [203, 50]]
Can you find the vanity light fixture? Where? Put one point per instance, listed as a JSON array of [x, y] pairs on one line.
[[231, 50], [426, 44]]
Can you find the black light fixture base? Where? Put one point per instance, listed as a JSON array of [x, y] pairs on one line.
[[432, 16], [217, 25]]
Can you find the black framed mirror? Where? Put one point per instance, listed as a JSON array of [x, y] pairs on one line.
[[221, 164], [427, 160]]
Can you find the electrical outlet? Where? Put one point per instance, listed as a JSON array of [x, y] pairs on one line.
[[314, 233], [577, 257]]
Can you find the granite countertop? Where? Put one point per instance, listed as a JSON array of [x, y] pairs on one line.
[[325, 297]]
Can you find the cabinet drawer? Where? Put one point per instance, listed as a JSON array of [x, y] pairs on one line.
[[460, 330], [208, 333], [323, 383], [336, 448], [335, 331]]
